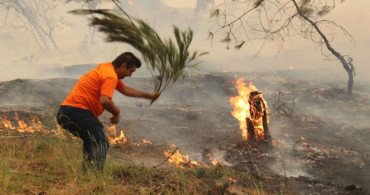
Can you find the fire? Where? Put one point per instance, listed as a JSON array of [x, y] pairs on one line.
[[146, 141], [305, 144], [121, 139], [22, 126], [6, 123], [113, 138], [130, 2], [18, 125], [231, 180], [179, 159], [209, 156], [249, 108], [34, 125]]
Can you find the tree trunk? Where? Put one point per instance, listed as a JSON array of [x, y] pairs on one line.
[[350, 81], [348, 66], [258, 116]]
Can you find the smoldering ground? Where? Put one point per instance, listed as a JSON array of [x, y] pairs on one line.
[[310, 140], [195, 114]]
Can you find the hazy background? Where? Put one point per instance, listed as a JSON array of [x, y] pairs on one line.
[[80, 44], [189, 122]]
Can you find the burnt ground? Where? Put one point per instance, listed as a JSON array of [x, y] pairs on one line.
[[320, 134]]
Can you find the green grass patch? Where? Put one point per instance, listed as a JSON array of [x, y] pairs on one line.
[[52, 164]]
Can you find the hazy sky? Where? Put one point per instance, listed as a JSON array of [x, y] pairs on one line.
[[18, 50], [352, 15]]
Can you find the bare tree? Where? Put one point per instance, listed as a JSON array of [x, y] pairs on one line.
[[276, 20], [36, 17], [88, 4]]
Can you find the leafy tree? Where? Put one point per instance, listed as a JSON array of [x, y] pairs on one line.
[[276, 20]]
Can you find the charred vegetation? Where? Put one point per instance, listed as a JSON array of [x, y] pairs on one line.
[[307, 147]]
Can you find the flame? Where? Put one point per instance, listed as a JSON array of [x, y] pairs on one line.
[[291, 68], [121, 139], [35, 125], [242, 109], [231, 180], [209, 156], [113, 138], [130, 2], [146, 141], [305, 144], [20, 126], [6, 123], [180, 160], [224, 71]]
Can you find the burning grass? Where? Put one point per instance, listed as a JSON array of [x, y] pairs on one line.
[[303, 143], [36, 160], [51, 164]]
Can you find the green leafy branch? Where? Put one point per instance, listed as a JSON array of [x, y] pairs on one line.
[[167, 60]]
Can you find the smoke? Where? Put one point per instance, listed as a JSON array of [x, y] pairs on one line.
[[286, 164], [80, 44]]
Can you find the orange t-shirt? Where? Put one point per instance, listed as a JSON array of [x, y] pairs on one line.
[[86, 93]]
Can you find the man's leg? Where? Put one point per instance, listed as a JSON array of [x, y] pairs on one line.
[[84, 124], [96, 145], [64, 119]]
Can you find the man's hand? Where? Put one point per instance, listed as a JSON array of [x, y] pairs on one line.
[[153, 96], [115, 119]]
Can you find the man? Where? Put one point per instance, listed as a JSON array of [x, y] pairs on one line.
[[93, 94]]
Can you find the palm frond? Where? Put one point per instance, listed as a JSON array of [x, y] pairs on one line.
[[167, 60]]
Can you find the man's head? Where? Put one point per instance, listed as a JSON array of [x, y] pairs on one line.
[[125, 64]]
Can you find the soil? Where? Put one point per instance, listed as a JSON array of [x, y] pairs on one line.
[[319, 133]]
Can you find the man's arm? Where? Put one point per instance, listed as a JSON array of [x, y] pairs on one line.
[[129, 91], [109, 105]]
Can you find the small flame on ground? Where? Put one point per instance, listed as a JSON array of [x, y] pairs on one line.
[[120, 139], [22, 127], [6, 123], [209, 156], [112, 136], [231, 180], [305, 144], [180, 160], [146, 141]]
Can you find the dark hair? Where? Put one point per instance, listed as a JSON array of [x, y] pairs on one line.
[[129, 58]]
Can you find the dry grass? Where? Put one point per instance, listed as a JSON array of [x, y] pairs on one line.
[[51, 165]]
